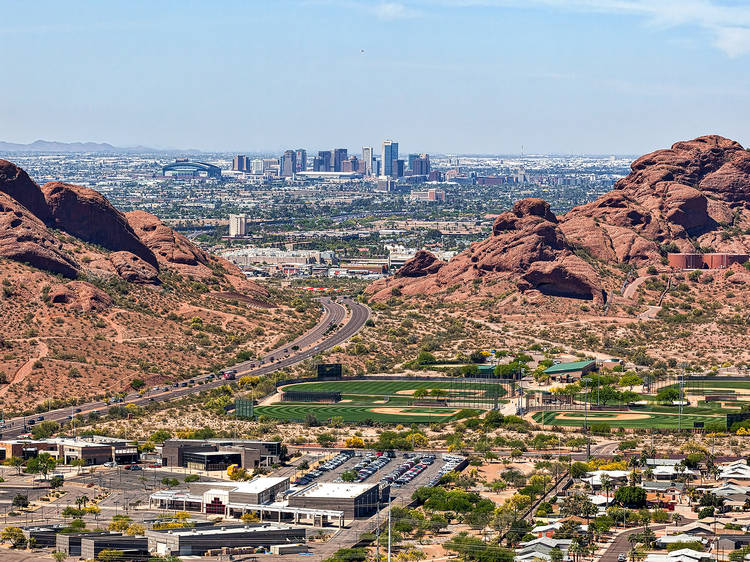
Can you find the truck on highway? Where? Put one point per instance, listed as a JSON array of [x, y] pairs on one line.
[[229, 374]]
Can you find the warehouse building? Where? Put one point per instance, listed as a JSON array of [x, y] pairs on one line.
[[355, 500], [218, 454], [197, 542], [70, 543]]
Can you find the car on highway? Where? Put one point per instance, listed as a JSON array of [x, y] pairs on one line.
[[109, 464], [77, 411], [621, 557]]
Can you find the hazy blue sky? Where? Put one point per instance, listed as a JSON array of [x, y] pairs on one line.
[[570, 76]]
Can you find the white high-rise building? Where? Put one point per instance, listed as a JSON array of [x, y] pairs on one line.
[[367, 158], [256, 166], [237, 225]]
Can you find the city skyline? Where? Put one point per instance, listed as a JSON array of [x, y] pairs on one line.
[[456, 77]]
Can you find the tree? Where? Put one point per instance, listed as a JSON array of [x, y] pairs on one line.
[[56, 482], [78, 463], [631, 496], [42, 464], [13, 535], [81, 501], [630, 380], [579, 469], [15, 462], [607, 485], [420, 393], [45, 429], [608, 393], [111, 555], [120, 523], [578, 504], [59, 556], [20, 500], [137, 384], [556, 555], [349, 476], [326, 439], [668, 395], [354, 442]]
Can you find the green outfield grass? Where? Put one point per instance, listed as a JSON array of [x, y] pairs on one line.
[[352, 413], [387, 388], [668, 420]]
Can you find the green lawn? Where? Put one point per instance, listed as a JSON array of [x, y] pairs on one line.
[[353, 413], [654, 420], [391, 388]]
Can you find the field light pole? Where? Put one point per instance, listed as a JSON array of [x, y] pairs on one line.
[[586, 417]]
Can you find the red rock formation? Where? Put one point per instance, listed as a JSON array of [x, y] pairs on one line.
[[132, 268], [80, 295], [24, 238], [527, 247], [86, 214], [670, 196], [16, 183], [423, 263], [168, 246]]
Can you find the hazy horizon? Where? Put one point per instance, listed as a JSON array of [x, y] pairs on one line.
[[580, 77]]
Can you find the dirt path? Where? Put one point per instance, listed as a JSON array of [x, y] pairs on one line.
[[630, 290], [25, 370], [225, 316], [118, 328]]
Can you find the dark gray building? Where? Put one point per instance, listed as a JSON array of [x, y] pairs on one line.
[[70, 544], [196, 542], [218, 454], [134, 548]]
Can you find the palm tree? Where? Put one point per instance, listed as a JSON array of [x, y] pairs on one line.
[[677, 518], [607, 485]]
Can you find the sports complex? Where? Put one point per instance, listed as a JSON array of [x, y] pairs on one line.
[[708, 403], [405, 400]]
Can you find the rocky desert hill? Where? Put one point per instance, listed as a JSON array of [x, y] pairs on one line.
[[93, 298], [692, 197]]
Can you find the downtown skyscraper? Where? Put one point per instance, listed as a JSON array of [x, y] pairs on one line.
[[390, 158]]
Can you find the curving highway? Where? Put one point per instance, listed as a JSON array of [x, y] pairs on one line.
[[339, 322]]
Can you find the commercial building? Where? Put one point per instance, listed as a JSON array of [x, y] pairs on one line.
[[301, 160], [198, 542], [132, 548], [239, 163], [420, 166], [390, 157], [238, 225], [368, 158], [339, 155], [96, 449], [218, 454], [350, 165], [184, 168], [256, 166], [431, 195], [355, 500], [288, 164], [70, 543], [705, 261], [324, 161]]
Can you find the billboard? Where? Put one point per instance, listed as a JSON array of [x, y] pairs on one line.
[[329, 371]]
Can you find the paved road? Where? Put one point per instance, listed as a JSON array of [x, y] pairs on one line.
[[621, 544], [323, 336]]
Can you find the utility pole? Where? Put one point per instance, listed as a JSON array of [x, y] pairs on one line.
[[377, 530], [389, 527]]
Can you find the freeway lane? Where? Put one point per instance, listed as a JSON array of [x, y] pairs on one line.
[[309, 344]]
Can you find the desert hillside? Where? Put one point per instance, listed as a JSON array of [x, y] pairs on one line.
[[93, 299]]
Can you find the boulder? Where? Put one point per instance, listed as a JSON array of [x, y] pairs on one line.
[[80, 295], [423, 263], [86, 214], [168, 246], [24, 238], [17, 184], [132, 268]]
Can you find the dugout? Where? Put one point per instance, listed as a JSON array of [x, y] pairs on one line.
[[311, 396]]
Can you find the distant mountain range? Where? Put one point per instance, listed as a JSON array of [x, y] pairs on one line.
[[61, 147]]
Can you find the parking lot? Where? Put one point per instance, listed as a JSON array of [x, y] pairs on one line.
[[405, 471]]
